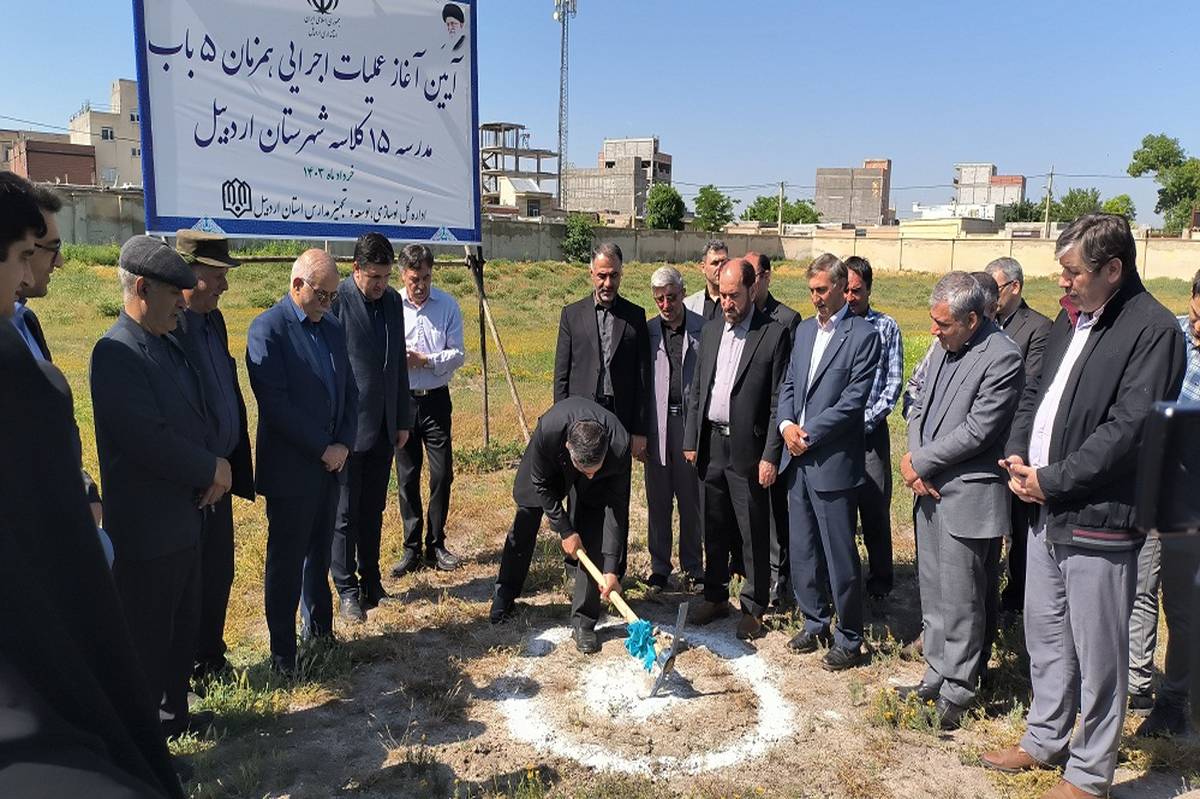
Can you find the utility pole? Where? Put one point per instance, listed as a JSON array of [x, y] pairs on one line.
[[782, 199], [563, 11], [1049, 194]]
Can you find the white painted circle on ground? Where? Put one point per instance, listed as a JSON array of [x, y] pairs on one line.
[[620, 688]]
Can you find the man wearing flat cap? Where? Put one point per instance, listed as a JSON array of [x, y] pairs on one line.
[[205, 341], [160, 472]]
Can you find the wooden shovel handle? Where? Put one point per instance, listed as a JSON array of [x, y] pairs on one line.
[[614, 596]]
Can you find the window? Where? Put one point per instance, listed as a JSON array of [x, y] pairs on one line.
[[135, 151], [7, 153], [135, 117], [106, 134], [109, 176], [535, 208]]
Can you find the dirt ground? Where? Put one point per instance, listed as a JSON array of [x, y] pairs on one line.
[[432, 700]]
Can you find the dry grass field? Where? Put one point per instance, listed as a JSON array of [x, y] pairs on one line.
[[409, 705]]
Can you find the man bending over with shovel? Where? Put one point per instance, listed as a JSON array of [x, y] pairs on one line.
[[579, 451]]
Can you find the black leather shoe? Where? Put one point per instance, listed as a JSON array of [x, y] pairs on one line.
[[922, 690], [373, 595], [586, 640], [951, 715], [1164, 720], [409, 562], [805, 642], [839, 658], [351, 608], [657, 583], [197, 722], [502, 610], [284, 665], [1141, 704], [443, 559]]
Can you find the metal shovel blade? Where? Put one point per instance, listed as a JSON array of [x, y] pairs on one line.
[[666, 658]]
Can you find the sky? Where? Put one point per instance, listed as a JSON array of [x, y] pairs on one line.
[[746, 95]]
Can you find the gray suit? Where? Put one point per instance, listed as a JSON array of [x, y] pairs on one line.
[[669, 478], [956, 434]]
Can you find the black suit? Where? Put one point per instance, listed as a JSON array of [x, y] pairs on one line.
[[375, 345], [151, 438], [597, 509], [737, 514], [780, 563], [216, 547], [579, 369], [78, 718], [34, 325]]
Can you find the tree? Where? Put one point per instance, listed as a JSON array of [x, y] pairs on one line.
[[1025, 211], [577, 243], [714, 210], [1177, 175], [1121, 204], [664, 208], [1075, 203], [765, 209]]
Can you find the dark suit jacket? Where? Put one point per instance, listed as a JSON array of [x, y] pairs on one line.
[[836, 400], [752, 400], [783, 314], [546, 474], [1134, 357], [382, 377], [577, 364], [656, 420], [69, 677], [239, 460], [293, 405], [1029, 329], [35, 330], [150, 438]]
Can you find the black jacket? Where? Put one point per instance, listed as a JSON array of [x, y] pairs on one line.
[[70, 681], [239, 461], [577, 366], [783, 314], [546, 475], [382, 377], [35, 329], [1134, 357], [1029, 329], [751, 402], [150, 438]]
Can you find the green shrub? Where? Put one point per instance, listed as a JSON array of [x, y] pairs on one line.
[[94, 254], [577, 244]]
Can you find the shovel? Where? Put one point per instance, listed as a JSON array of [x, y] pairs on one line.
[[641, 642]]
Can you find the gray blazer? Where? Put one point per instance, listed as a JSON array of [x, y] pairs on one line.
[[957, 450], [656, 414]]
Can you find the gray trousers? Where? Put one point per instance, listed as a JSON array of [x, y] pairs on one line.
[[1077, 606], [954, 574], [675, 482], [1176, 574]]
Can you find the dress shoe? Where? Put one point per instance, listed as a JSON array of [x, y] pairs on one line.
[[205, 670], [372, 595], [351, 608], [690, 583], [197, 723], [839, 658], [949, 713], [749, 627], [656, 583], [1163, 721], [502, 610], [442, 559], [409, 562], [705, 611], [1010, 760], [922, 690], [586, 640], [284, 665], [1141, 704], [1065, 790], [805, 642]]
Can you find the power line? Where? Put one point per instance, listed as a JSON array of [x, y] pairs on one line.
[[114, 137]]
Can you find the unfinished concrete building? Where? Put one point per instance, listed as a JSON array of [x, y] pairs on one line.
[[856, 196], [978, 183], [625, 171], [504, 152]]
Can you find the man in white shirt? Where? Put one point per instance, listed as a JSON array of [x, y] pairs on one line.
[[433, 333]]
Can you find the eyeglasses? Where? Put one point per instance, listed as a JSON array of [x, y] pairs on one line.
[[54, 251], [321, 294], [1005, 284]]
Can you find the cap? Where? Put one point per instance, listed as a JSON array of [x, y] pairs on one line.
[[202, 247], [149, 257]]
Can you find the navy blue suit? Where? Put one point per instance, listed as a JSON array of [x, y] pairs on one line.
[[822, 481], [298, 417]]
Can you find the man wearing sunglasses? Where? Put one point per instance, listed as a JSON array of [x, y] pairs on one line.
[[307, 421]]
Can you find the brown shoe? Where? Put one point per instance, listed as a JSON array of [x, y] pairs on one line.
[[1010, 760], [1065, 790], [704, 611], [749, 627]]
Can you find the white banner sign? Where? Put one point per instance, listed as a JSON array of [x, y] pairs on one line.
[[310, 118]]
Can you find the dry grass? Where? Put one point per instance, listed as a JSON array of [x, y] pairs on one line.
[[422, 730]]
